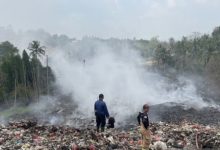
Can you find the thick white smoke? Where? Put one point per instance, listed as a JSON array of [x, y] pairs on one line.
[[119, 75], [88, 67]]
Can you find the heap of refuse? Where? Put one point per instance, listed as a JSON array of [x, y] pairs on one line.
[[29, 135]]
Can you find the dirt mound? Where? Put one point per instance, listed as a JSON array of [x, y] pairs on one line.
[[175, 113]]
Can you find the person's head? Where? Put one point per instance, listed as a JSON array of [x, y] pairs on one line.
[[101, 96], [145, 108]]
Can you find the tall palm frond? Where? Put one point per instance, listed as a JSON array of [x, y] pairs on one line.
[[36, 49]]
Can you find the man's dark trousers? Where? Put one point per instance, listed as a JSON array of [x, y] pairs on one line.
[[100, 121]]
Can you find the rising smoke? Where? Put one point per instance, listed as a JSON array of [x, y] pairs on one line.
[[85, 68]]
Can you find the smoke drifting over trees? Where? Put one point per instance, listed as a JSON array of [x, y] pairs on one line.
[[128, 72]]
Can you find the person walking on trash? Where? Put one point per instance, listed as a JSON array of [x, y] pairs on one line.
[[143, 122], [101, 113]]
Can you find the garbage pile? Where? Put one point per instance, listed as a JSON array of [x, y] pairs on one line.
[[187, 135], [29, 135]]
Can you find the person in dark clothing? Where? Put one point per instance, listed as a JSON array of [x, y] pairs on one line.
[[101, 113], [143, 121], [111, 122]]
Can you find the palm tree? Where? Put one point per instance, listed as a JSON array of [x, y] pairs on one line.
[[36, 50]]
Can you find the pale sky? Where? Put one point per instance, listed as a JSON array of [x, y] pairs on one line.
[[112, 18]]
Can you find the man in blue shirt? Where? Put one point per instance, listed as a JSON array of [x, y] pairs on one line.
[[101, 113]]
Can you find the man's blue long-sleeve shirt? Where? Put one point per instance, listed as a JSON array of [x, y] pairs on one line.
[[101, 108]]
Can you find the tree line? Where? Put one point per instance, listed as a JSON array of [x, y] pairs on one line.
[[22, 76], [198, 55]]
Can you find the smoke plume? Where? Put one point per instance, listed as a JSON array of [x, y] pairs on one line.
[[91, 67], [85, 68]]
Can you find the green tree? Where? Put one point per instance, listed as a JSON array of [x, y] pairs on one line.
[[6, 50], [36, 51], [27, 69], [163, 56], [12, 69]]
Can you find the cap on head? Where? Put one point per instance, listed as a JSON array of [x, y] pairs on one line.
[[101, 96]]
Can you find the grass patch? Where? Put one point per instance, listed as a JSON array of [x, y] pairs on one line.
[[14, 111]]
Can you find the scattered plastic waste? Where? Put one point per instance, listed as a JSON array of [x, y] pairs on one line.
[[27, 135]]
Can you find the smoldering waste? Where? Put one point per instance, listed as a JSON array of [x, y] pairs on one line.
[[29, 135]]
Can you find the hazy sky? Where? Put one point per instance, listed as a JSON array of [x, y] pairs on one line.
[[112, 18]]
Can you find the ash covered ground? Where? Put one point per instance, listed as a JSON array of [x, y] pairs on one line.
[[173, 126], [175, 113]]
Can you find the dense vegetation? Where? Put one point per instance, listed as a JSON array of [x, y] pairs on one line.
[[23, 77], [197, 55]]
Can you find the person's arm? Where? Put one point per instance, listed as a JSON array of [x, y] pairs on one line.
[[106, 111], [139, 118], [95, 107]]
